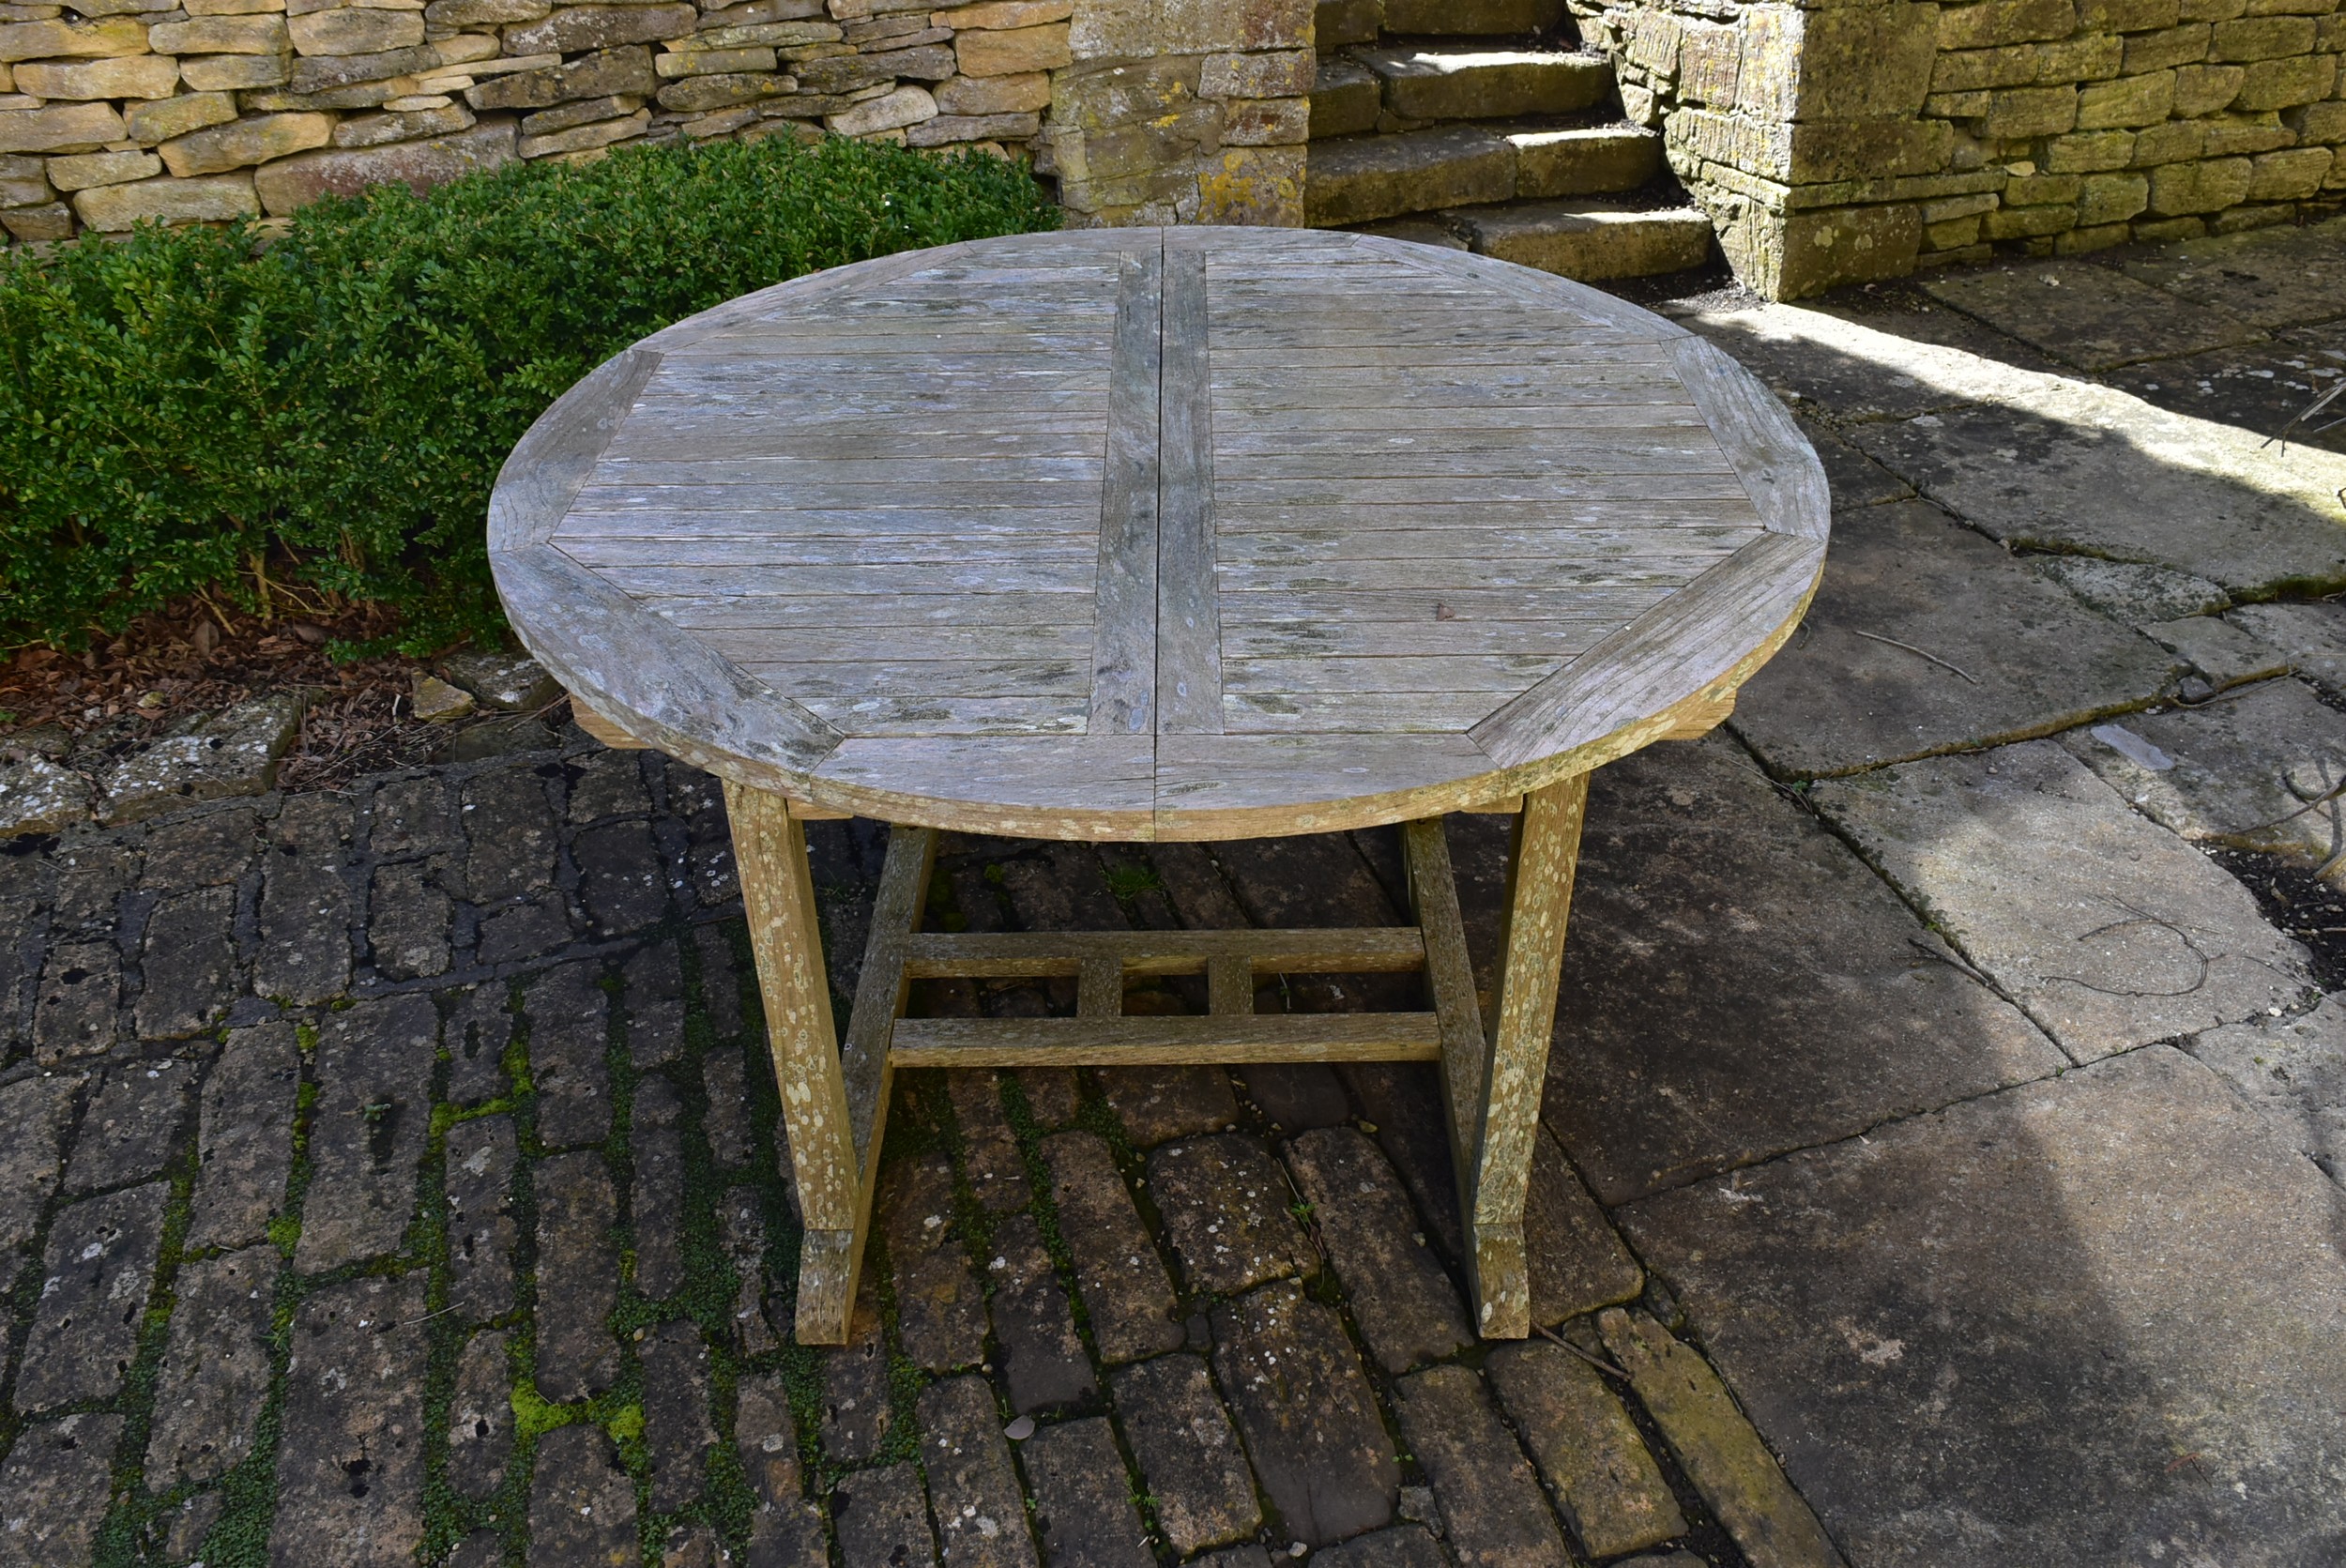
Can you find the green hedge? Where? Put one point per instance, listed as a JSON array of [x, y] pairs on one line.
[[191, 410]]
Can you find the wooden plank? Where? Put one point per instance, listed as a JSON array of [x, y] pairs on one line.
[[1539, 901], [1577, 298], [1700, 636], [1778, 465], [1029, 559], [1450, 978], [778, 894], [1063, 714], [604, 729], [1611, 512], [1276, 677], [689, 513], [1099, 988], [936, 677], [1189, 627], [823, 645], [552, 461], [723, 432], [1214, 786], [1358, 713], [1034, 955], [1720, 485], [1696, 453], [662, 686], [864, 1065], [649, 572], [1306, 639], [1229, 987], [1365, 606], [1071, 786], [1123, 641], [1273, 422], [1660, 563], [1661, 426], [776, 609], [1527, 553], [1168, 1041]]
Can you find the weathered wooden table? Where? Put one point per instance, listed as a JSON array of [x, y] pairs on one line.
[[1141, 534]]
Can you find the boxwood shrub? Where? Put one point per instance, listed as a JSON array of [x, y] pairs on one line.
[[213, 410]]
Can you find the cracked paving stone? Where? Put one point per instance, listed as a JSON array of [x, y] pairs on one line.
[[694, 1548], [480, 1415], [189, 1523], [2241, 772], [366, 1130], [96, 1271], [480, 1156], [2108, 929], [1492, 1512], [654, 989], [857, 1410], [412, 816], [2224, 655], [1853, 479], [350, 1466], [2311, 636], [621, 881], [33, 1117], [53, 1490], [483, 1548], [1407, 1310], [1083, 1503], [1155, 1103], [203, 849], [940, 1310], [675, 1413], [1042, 1363], [2009, 1319], [742, 1231], [568, 1040], [2294, 1069], [2125, 591], [408, 921], [973, 1488], [78, 1000], [301, 953], [1837, 699], [1404, 1104], [91, 880], [727, 1124], [882, 1519], [1797, 1000], [1297, 1096], [1225, 1205], [1587, 1447], [125, 1133], [1188, 1452], [609, 783], [511, 828], [995, 1170], [2278, 277], [244, 1137], [1305, 1406], [786, 1530], [656, 1195], [479, 1028], [1402, 1546], [188, 959], [521, 931], [720, 979], [582, 1503], [1125, 1291], [576, 1210], [216, 1371], [1575, 1259]]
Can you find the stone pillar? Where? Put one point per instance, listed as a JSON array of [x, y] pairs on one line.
[[1182, 112]]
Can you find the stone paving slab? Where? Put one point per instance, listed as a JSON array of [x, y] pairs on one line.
[[2111, 931], [1737, 983], [2311, 636], [2261, 769], [2027, 659], [2294, 1069], [2278, 277], [2099, 1319], [2086, 316], [2259, 387]]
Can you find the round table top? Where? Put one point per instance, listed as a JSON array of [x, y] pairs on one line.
[[1137, 533]]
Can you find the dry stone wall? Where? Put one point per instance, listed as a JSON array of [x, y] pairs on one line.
[[1833, 142], [116, 111]]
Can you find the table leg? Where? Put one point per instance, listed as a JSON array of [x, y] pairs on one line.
[[1514, 1067], [778, 893]]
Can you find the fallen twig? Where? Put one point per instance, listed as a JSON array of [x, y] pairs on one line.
[[1919, 653], [1598, 1361]]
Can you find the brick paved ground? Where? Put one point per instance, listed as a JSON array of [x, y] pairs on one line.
[[393, 1177]]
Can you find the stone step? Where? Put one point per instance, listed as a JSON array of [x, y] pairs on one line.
[[1576, 239], [1342, 21], [1454, 82], [1362, 178], [1345, 98], [1359, 179]]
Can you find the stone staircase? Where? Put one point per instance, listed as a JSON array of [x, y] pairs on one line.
[[1472, 124]]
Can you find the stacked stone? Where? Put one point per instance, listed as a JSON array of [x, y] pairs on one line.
[[1838, 143], [113, 112], [1188, 111]]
